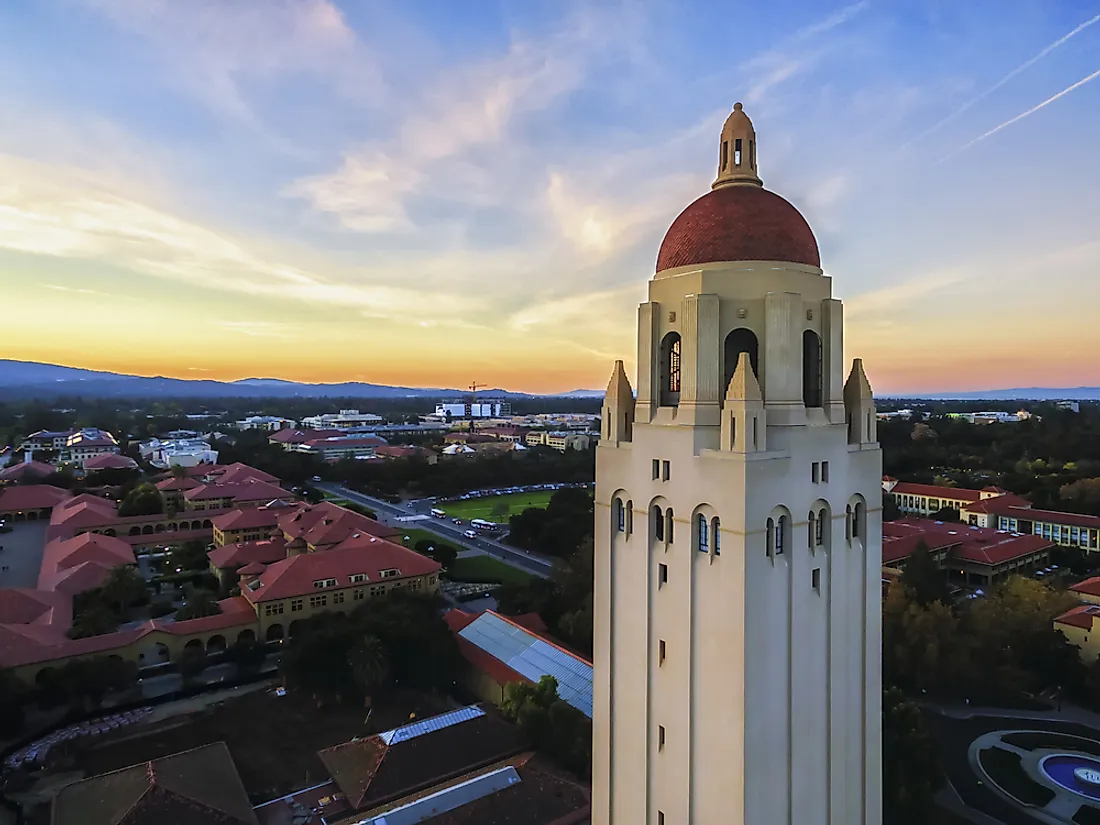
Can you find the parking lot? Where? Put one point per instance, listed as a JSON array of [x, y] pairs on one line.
[[22, 553]]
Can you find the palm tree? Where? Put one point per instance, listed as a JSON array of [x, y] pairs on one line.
[[370, 665]]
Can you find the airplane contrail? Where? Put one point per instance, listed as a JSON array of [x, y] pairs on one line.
[[1022, 115], [1022, 67]]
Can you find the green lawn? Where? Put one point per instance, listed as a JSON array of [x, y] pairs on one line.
[[416, 534], [496, 508], [486, 569]]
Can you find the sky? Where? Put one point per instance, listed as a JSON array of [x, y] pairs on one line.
[[431, 193]]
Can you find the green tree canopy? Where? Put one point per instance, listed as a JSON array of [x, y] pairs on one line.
[[143, 500], [923, 576], [123, 587], [911, 772], [198, 603]]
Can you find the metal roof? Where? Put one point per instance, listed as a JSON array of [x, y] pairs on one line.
[[433, 723], [447, 799], [533, 658]]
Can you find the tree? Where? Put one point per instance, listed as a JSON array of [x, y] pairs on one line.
[[370, 665], [445, 554], [500, 508], [12, 695], [926, 582], [191, 555], [551, 724], [191, 663], [143, 500], [123, 587], [246, 655], [911, 773], [197, 603], [317, 658], [96, 620]]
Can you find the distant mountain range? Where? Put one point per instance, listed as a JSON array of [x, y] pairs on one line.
[[1017, 394], [31, 379]]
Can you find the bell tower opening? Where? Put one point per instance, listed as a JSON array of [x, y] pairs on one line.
[[739, 341], [811, 369], [670, 370]]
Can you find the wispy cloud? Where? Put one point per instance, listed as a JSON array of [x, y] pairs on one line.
[[259, 329], [799, 53], [77, 290], [1027, 64], [1021, 116]]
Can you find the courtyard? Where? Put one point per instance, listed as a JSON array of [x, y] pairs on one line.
[[21, 556]]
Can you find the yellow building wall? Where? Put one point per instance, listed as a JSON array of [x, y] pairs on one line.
[[1086, 641]]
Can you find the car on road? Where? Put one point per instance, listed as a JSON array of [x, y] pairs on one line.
[[316, 478], [457, 520], [470, 534]]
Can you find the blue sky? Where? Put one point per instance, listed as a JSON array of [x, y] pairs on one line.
[[431, 193]]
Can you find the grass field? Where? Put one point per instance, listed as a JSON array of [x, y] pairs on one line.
[[496, 508], [486, 569], [416, 534]]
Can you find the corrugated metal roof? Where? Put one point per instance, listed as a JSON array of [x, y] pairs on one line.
[[434, 723], [533, 658], [448, 799]]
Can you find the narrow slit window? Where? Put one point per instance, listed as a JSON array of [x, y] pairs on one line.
[[703, 529], [668, 525], [658, 523], [629, 517], [752, 154], [662, 575], [620, 516], [811, 530], [737, 152], [656, 468], [715, 535], [780, 537], [824, 471], [815, 474], [725, 154], [666, 470], [661, 651], [822, 518], [769, 540], [660, 737], [815, 579]]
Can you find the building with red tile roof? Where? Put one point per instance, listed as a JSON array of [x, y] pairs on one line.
[[28, 472], [195, 787], [109, 461], [972, 555], [248, 523], [82, 562], [21, 605], [239, 471], [1087, 590], [248, 492], [320, 526], [291, 437], [402, 451], [228, 559], [1078, 625], [334, 448], [30, 502]]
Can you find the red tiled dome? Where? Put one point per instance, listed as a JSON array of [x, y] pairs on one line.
[[738, 223]]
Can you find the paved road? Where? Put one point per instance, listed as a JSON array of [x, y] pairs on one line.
[[393, 514], [161, 684]]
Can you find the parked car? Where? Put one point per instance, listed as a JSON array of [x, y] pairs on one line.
[[470, 534]]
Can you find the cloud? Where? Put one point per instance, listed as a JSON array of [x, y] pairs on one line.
[[1027, 64], [796, 55], [1021, 116], [214, 49], [74, 289], [455, 136], [258, 329], [64, 213]]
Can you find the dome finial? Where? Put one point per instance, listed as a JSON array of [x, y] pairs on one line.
[[737, 151]]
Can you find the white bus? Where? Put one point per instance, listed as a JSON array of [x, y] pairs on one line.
[[483, 526], [438, 513]]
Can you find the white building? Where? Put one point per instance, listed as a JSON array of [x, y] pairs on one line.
[[450, 410], [86, 443], [181, 452], [343, 420], [336, 448], [269, 423], [738, 535]]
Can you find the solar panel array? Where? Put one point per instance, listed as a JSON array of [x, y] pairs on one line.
[[448, 799], [432, 723], [533, 658]]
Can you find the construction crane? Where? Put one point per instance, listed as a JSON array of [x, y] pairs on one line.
[[474, 387]]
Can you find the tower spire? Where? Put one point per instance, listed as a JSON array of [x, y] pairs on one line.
[[737, 151]]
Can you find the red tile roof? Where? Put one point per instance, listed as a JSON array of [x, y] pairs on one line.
[[738, 223], [326, 524], [239, 471], [236, 612], [249, 518], [85, 576], [294, 576], [399, 451], [1056, 517], [31, 497], [84, 510], [245, 490], [60, 555], [265, 551], [935, 491], [980, 545], [109, 461], [1080, 616], [345, 441], [26, 471], [1090, 587], [183, 483], [253, 569], [996, 505], [19, 605]]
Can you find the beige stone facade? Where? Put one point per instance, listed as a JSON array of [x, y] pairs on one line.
[[738, 544]]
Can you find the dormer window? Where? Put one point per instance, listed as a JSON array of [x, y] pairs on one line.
[[320, 583], [356, 578], [389, 574]]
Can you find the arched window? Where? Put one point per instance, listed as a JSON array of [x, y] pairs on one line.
[[620, 516], [769, 538], [858, 516], [781, 529], [702, 529], [739, 341], [811, 369], [822, 519], [658, 519], [811, 530], [670, 370], [668, 525], [716, 535], [629, 517], [848, 524]]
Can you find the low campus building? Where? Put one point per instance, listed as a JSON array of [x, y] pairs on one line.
[[1088, 590], [926, 499], [499, 650], [1078, 625], [335, 448], [27, 472], [247, 523], [290, 438], [558, 440], [30, 502], [195, 787], [343, 420], [109, 461], [270, 423], [89, 442]]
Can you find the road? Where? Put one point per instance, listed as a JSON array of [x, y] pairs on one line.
[[163, 683], [396, 515]]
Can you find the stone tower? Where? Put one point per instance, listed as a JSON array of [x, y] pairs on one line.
[[738, 534]]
